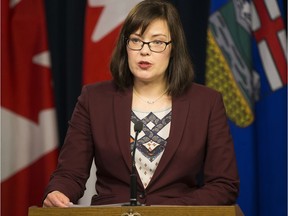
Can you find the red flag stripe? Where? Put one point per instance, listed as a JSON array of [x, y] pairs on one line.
[[26, 188]]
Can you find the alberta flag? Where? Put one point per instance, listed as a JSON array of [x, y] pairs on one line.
[[247, 62]]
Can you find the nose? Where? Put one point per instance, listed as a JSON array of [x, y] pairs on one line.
[[145, 50]]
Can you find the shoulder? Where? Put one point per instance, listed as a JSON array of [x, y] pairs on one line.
[[97, 91], [201, 91], [100, 87], [103, 91], [202, 96]]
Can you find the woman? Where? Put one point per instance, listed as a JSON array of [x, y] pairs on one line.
[[184, 154]]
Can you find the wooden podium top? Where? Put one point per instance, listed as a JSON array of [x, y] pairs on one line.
[[233, 210]]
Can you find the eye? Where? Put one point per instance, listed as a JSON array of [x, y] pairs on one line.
[[135, 40], [157, 42]]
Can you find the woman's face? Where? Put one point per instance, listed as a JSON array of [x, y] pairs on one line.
[[146, 65]]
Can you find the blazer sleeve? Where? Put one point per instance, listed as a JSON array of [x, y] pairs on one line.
[[220, 176], [76, 155]]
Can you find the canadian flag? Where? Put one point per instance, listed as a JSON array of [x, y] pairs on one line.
[[28, 121], [103, 22]]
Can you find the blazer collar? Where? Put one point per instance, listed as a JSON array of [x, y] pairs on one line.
[[180, 107], [122, 113]]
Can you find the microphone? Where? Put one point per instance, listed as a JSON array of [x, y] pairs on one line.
[[133, 177]]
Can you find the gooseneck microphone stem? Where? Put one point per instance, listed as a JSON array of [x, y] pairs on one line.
[[133, 177]]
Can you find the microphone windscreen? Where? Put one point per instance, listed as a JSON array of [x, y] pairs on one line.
[[138, 126]]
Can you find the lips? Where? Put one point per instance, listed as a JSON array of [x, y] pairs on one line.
[[144, 65]]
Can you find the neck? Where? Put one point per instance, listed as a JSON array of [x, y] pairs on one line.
[[150, 90], [149, 100]]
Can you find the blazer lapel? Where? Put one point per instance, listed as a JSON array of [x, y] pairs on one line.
[[122, 113], [180, 107]]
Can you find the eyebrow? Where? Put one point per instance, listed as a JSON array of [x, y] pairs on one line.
[[155, 35]]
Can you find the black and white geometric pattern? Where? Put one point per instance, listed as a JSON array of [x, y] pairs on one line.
[[152, 141]]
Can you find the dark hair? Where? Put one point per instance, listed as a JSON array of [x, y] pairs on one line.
[[180, 72]]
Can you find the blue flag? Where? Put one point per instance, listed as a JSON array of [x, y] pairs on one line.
[[246, 62]]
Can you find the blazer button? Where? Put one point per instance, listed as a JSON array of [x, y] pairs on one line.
[[142, 195]]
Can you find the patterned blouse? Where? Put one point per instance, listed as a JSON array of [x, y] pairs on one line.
[[151, 142]]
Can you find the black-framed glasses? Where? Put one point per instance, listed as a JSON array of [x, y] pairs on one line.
[[157, 46]]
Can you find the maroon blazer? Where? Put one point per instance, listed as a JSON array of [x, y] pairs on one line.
[[198, 166]]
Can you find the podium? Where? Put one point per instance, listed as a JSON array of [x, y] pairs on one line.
[[233, 210]]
